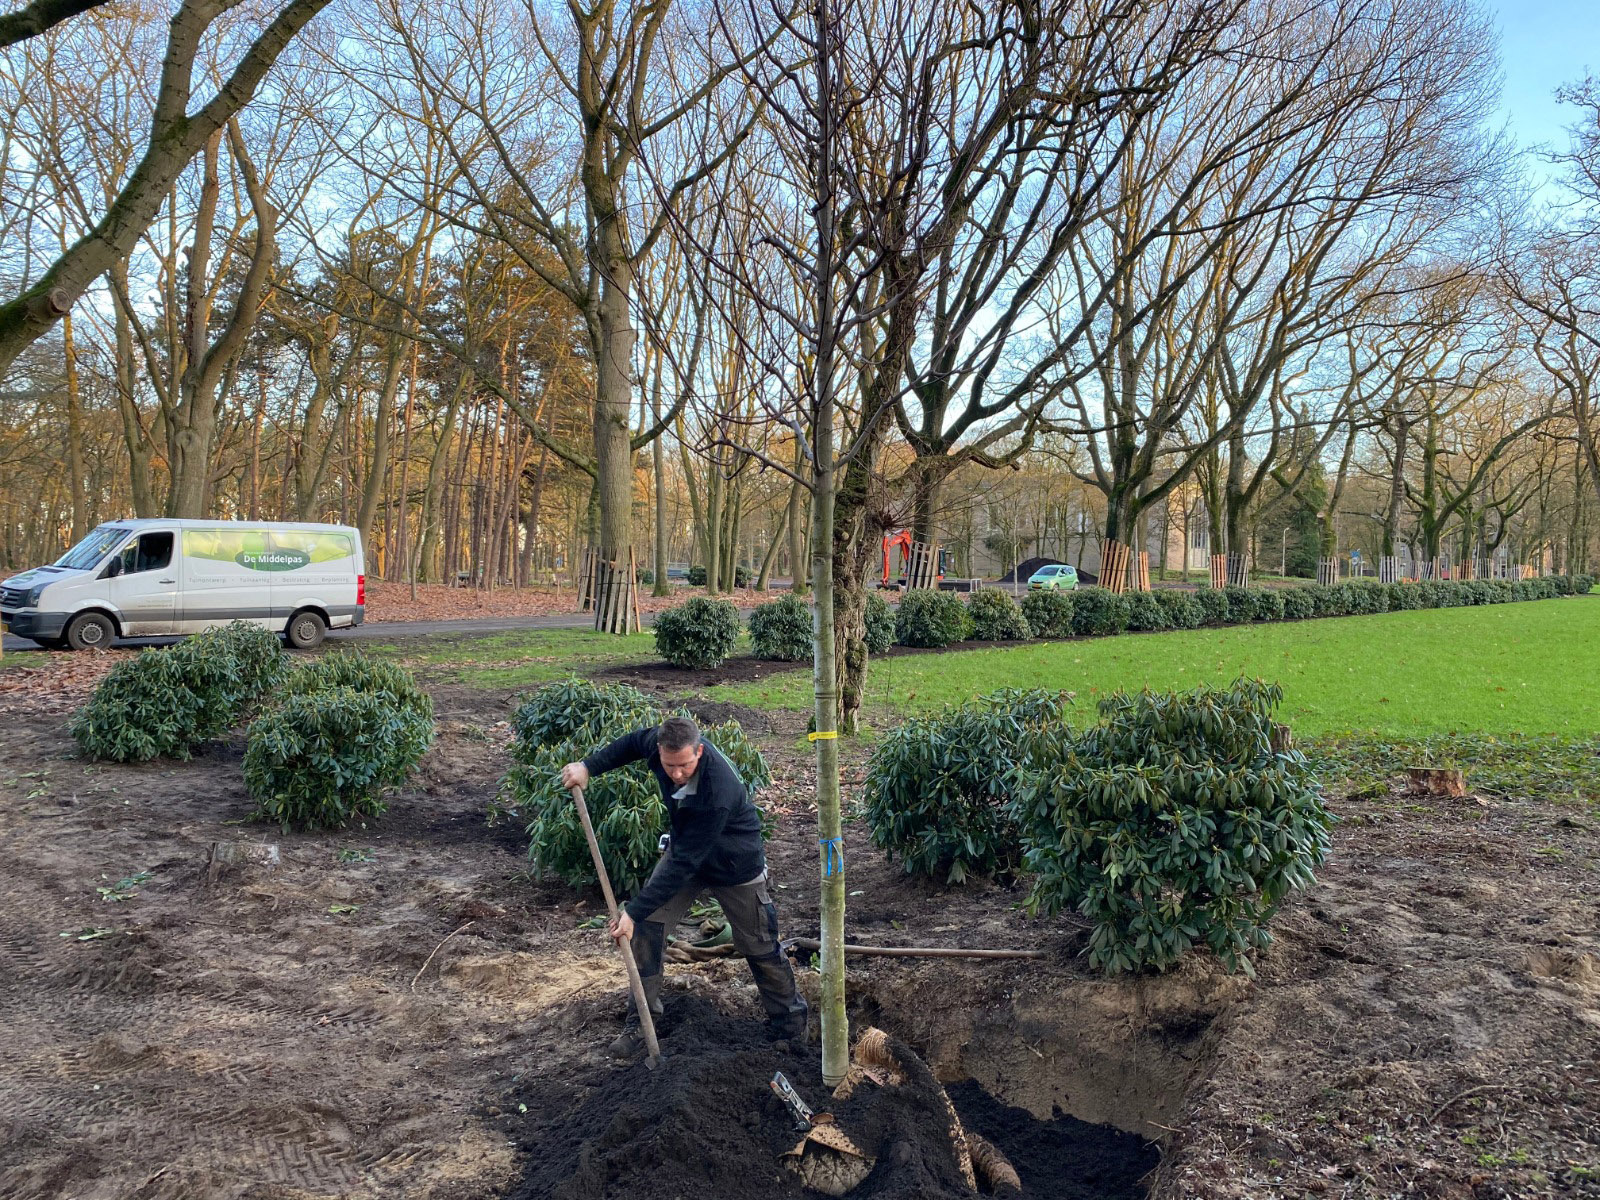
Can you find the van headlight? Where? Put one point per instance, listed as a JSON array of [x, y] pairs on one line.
[[31, 600]]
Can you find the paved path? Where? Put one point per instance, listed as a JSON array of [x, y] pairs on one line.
[[390, 630]]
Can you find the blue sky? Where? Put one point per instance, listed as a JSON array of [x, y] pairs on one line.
[[1544, 43]]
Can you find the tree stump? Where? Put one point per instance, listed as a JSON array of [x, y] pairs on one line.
[[1282, 739], [1437, 781], [225, 856]]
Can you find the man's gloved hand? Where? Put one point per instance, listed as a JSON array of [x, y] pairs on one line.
[[621, 927], [574, 775]]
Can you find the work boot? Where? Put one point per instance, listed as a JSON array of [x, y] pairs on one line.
[[630, 1043], [785, 1007]]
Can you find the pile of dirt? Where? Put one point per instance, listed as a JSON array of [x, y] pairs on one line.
[[705, 1124]]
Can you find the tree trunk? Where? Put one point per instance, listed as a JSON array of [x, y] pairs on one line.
[[75, 480], [772, 551], [140, 449], [658, 461], [797, 532], [613, 451], [714, 530], [825, 669], [433, 493], [927, 483], [382, 436], [1397, 487]]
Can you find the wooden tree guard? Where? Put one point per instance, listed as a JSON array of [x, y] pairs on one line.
[[633, 588], [922, 565], [1389, 569], [587, 579], [1141, 575], [1327, 571], [1238, 571], [1114, 566], [1219, 571], [616, 598]]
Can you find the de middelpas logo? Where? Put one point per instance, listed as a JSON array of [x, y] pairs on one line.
[[272, 560]]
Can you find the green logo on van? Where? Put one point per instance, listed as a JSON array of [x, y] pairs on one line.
[[272, 560]]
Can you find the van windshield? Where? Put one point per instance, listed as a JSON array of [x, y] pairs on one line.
[[92, 549]]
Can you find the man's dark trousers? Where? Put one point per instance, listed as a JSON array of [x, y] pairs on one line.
[[753, 918]]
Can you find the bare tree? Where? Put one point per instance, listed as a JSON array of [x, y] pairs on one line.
[[176, 136]]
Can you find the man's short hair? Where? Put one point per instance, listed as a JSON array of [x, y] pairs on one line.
[[678, 733]]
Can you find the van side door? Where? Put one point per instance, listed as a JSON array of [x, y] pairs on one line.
[[141, 583]]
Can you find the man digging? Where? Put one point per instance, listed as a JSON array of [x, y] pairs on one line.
[[714, 846]]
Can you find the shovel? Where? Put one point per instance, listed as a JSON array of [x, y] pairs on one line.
[[647, 1024]]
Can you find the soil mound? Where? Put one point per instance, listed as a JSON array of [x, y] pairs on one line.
[[705, 1125]]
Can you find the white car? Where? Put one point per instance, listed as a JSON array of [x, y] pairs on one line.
[[151, 577]]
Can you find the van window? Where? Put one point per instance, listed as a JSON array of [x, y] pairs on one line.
[[152, 552], [88, 553]]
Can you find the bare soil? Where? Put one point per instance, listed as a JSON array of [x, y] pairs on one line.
[[1426, 1023]]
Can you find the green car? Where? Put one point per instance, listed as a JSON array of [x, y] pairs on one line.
[[1056, 575]]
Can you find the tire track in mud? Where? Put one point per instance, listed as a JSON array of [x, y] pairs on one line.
[[88, 1101]]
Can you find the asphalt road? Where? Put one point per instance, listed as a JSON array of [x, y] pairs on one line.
[[381, 630]]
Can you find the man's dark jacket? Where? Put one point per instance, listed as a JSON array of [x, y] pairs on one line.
[[716, 832]]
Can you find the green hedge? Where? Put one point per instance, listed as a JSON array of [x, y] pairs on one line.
[[324, 758], [362, 673], [1048, 612], [997, 617], [1095, 611], [880, 624], [931, 619], [344, 728], [937, 788], [699, 634], [1171, 824], [1146, 614], [781, 630], [164, 703]]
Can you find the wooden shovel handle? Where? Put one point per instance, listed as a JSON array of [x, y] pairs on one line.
[[647, 1023]]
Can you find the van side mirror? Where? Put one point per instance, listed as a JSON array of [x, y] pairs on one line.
[[114, 568]]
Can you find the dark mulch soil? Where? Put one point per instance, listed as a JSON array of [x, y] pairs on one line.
[[705, 1125], [1063, 1158]]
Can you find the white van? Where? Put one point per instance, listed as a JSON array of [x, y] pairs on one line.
[[151, 577]]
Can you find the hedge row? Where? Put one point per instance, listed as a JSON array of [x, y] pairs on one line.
[[1173, 823], [704, 632], [934, 619], [169, 701], [329, 738]]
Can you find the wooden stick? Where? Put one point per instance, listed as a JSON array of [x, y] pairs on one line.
[[921, 951], [647, 1023], [436, 950]]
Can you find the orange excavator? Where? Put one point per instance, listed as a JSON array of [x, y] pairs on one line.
[[902, 540]]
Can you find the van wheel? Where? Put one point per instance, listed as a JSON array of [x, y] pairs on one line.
[[306, 631], [92, 631]]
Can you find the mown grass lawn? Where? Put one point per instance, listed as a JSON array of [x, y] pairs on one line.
[[1528, 668]]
